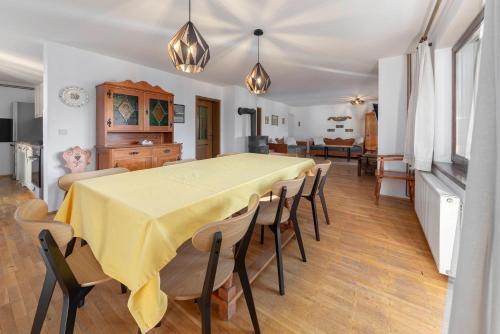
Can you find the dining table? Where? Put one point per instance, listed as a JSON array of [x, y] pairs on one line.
[[135, 221]]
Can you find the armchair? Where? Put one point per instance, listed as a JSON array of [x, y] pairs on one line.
[[408, 176]]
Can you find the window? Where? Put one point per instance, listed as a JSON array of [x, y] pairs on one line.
[[465, 72]]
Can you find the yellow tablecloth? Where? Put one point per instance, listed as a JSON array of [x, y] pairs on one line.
[[135, 221]]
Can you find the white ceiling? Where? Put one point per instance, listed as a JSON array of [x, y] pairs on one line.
[[314, 50]]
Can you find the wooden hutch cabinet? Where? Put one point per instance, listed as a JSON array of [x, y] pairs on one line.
[[127, 114]]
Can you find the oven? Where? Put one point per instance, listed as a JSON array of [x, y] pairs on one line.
[[36, 165]]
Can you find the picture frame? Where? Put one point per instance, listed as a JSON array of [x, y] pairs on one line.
[[283, 120], [179, 113], [274, 120], [266, 120]]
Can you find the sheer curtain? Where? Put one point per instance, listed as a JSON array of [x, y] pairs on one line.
[[476, 296], [419, 138]]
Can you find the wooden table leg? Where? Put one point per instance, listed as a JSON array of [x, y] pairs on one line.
[[326, 152], [348, 154], [226, 296]]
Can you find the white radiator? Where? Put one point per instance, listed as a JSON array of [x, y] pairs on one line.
[[23, 156], [439, 211]]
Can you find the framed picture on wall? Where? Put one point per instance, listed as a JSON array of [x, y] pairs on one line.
[[274, 120], [179, 113], [283, 120], [266, 120]]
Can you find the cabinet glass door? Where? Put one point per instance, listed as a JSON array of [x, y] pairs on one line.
[[126, 110], [158, 112]]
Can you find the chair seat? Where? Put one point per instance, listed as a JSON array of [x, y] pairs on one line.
[[183, 277], [267, 213], [85, 267]]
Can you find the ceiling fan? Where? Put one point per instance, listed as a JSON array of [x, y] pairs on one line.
[[357, 99]]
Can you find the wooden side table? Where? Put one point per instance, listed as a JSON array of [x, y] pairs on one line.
[[368, 162]]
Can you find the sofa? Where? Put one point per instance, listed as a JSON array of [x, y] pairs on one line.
[[319, 149], [279, 146]]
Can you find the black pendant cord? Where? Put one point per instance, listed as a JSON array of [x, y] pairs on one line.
[[258, 49], [189, 10]]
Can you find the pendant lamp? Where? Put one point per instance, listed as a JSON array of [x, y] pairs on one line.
[[187, 49], [258, 81]]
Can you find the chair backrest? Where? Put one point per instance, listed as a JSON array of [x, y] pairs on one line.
[[324, 168], [292, 187], [232, 229], [77, 159], [66, 181], [176, 162], [389, 157], [32, 216]]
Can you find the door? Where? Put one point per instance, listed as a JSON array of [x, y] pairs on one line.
[[124, 109], [158, 113], [204, 135]]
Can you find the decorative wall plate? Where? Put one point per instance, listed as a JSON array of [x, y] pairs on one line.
[[74, 96]]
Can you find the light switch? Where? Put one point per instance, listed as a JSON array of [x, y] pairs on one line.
[[62, 132]]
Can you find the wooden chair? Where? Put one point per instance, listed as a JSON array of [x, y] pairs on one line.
[[314, 185], [76, 274], [380, 174], [176, 162], [66, 181], [204, 263], [273, 213]]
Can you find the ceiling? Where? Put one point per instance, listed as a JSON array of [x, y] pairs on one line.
[[21, 59], [314, 51]]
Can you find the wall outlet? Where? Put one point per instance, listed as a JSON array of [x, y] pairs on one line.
[[62, 132]]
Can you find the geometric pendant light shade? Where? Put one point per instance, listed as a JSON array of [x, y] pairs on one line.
[[187, 49], [258, 81]]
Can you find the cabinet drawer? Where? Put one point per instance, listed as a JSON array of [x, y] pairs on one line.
[[166, 150], [164, 158], [134, 164], [132, 153]]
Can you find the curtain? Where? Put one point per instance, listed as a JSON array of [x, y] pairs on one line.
[[476, 295], [419, 137]]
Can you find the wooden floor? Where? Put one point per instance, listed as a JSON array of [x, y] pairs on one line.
[[372, 272]]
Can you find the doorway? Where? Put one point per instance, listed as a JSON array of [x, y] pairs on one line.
[[207, 127]]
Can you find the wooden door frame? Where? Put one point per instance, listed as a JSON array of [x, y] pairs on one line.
[[259, 121], [216, 119]]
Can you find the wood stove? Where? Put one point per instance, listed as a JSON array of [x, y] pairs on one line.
[[256, 144]]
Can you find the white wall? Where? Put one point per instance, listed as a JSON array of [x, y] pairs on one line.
[[66, 66], [270, 108], [7, 96], [314, 121], [392, 117]]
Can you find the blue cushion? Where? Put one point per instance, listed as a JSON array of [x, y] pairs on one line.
[[296, 149]]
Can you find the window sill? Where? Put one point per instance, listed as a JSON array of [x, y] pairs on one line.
[[455, 173]]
